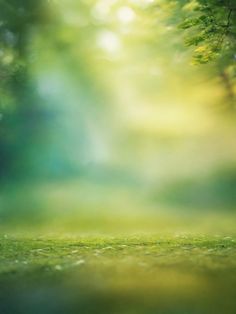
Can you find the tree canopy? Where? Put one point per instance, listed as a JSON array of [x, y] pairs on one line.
[[210, 27]]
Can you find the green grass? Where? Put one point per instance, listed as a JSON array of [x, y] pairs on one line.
[[145, 274]]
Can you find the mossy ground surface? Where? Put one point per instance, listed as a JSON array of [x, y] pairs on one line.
[[135, 274]]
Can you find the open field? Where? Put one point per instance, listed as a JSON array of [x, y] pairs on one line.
[[134, 274]]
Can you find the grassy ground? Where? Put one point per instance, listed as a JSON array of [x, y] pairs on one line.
[[145, 274]]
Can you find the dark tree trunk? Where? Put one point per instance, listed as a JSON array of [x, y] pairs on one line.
[[229, 89]]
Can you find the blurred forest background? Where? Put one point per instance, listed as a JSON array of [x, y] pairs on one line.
[[114, 110]]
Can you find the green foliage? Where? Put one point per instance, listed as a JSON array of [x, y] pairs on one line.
[[211, 29]]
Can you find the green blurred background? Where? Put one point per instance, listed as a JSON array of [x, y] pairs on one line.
[[107, 125]]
